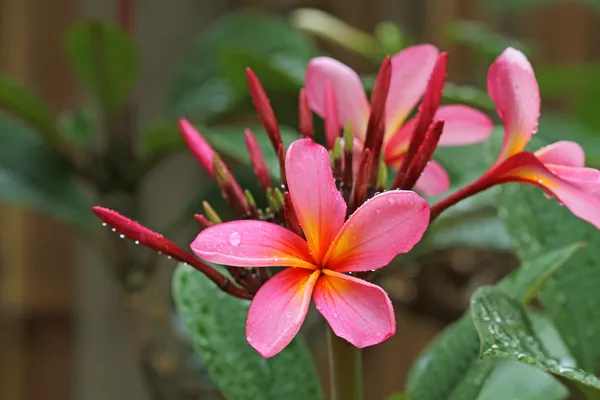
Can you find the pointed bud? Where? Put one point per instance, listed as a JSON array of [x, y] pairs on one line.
[[348, 163], [291, 219], [202, 221], [382, 176], [281, 156], [157, 242], [332, 123], [257, 160], [230, 189], [423, 155], [361, 182], [376, 124], [251, 204], [305, 116], [211, 214], [273, 205], [427, 109], [278, 197], [263, 108], [199, 147]]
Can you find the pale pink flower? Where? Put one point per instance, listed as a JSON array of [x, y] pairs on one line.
[[386, 225]]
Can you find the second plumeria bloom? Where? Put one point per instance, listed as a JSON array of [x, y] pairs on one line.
[[558, 168], [386, 225], [411, 70]]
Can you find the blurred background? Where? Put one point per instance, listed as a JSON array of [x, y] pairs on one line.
[[67, 327]]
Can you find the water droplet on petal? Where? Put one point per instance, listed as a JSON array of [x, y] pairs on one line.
[[319, 308], [249, 339], [335, 315], [288, 316], [234, 239]]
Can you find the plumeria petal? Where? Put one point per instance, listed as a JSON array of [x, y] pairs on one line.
[[356, 310], [512, 86], [464, 125], [320, 207], [353, 105], [411, 69], [386, 225], [587, 179], [433, 181], [278, 310], [564, 152], [252, 244], [525, 167], [198, 145]]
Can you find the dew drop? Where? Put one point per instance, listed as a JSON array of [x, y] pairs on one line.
[[122, 236], [169, 257], [114, 230], [249, 339], [104, 224], [335, 315], [234, 239], [319, 308], [288, 316], [137, 242]]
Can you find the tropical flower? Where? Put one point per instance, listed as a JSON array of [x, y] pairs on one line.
[[319, 266], [558, 168], [334, 87]]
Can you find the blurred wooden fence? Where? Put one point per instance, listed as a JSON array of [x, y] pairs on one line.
[[36, 266]]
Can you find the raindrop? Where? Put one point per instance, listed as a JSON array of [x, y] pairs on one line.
[[234, 239], [335, 315], [122, 236], [114, 230], [104, 224], [137, 242], [249, 339], [288, 316], [169, 257], [319, 308]]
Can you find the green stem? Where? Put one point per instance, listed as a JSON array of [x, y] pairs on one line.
[[345, 369]]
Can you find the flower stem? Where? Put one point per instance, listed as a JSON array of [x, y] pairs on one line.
[[345, 369]]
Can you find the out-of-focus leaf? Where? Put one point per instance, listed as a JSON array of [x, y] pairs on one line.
[[282, 74], [519, 5], [161, 137], [216, 323], [28, 107], [105, 59], [396, 396], [450, 368], [77, 126], [505, 331], [391, 38], [469, 95], [481, 39], [32, 174], [336, 31], [199, 87]]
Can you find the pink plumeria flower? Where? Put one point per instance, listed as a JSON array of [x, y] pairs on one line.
[[558, 168], [360, 312], [411, 71]]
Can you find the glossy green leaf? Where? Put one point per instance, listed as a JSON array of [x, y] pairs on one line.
[[450, 367], [216, 323], [105, 59], [32, 174], [199, 86], [505, 331], [20, 102]]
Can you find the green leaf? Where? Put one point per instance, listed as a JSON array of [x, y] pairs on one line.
[[160, 138], [28, 107], [481, 39], [571, 298], [451, 361], [32, 174], [76, 127], [469, 95], [216, 322], [199, 87], [505, 331], [105, 59]]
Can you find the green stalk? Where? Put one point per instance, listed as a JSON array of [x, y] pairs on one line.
[[345, 369]]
